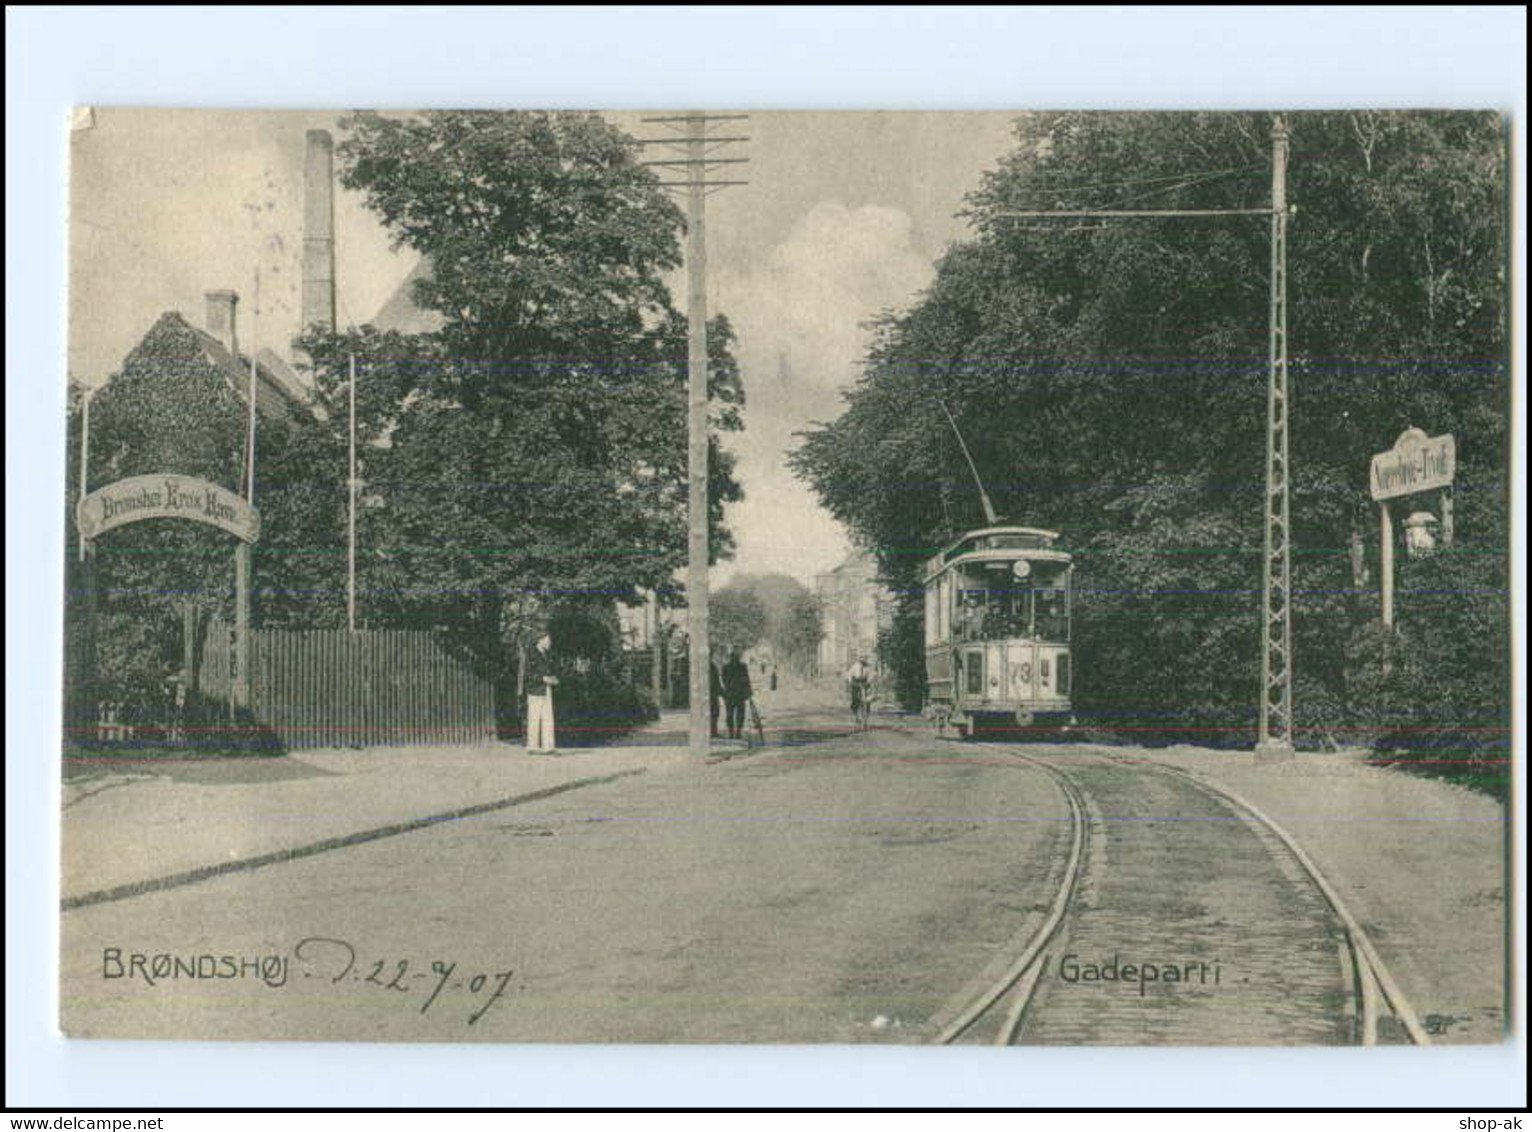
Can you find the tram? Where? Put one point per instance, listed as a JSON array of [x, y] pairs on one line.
[[997, 609]]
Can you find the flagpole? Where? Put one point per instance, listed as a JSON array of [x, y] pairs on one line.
[[255, 310], [85, 398], [351, 512]]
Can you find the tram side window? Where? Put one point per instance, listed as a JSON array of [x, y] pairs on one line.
[[973, 667], [933, 607]]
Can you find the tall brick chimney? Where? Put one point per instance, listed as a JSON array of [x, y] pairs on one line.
[[220, 318], [319, 231]]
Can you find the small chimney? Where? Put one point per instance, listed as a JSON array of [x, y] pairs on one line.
[[319, 231], [220, 319]]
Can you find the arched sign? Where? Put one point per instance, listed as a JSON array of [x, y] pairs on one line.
[[169, 496], [166, 496], [1415, 463]]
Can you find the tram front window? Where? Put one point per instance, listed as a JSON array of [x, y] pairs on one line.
[[993, 606], [973, 619], [1001, 603], [1012, 613], [1053, 608]]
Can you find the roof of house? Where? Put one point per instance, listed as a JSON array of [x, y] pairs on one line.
[[278, 393], [402, 313]]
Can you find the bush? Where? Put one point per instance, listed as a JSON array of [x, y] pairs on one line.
[[1433, 695], [205, 727], [595, 708], [901, 654]]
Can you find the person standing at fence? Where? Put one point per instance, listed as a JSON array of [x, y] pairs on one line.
[[539, 681], [175, 695], [736, 693]]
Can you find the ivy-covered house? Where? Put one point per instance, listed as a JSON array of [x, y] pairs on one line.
[[179, 404]]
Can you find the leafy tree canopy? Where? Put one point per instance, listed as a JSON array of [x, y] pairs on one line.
[[792, 622], [532, 451], [736, 619], [1110, 378]]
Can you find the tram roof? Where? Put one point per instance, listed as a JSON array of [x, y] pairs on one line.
[[954, 550], [1048, 536]]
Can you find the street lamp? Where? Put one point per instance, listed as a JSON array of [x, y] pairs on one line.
[[1420, 534]]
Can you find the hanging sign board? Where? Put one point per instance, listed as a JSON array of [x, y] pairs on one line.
[[1416, 462], [166, 496]]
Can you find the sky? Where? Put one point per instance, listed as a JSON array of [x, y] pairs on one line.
[[845, 216]]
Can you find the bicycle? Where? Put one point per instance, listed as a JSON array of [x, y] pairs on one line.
[[755, 725]]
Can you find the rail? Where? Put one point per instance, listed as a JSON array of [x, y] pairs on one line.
[[1371, 979]]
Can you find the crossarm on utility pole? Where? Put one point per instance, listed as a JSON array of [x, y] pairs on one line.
[[1081, 212]]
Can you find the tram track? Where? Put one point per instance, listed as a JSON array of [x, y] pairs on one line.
[[1130, 884]]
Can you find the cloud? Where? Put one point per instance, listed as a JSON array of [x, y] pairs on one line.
[[800, 316], [800, 313], [167, 205]]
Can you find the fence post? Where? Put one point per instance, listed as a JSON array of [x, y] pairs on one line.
[[242, 624]]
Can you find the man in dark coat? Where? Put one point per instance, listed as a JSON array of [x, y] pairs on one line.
[[715, 696], [736, 693]]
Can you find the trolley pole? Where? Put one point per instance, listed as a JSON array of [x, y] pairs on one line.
[[1275, 736], [697, 164]]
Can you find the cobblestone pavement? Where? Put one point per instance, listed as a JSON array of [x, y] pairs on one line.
[[1191, 925]]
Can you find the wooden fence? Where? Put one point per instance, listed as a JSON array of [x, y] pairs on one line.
[[379, 687]]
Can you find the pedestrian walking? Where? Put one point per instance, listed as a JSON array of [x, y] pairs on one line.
[[736, 693], [773, 679], [539, 680], [859, 685]]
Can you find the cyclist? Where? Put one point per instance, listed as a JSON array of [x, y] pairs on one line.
[[859, 683]]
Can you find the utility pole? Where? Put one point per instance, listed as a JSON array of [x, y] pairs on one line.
[[1276, 721], [1275, 737], [697, 165]]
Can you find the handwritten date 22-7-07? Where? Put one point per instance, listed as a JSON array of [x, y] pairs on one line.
[[324, 957]]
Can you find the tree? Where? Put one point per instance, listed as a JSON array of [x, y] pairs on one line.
[[791, 618], [531, 453], [736, 619], [174, 407], [1110, 379]]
